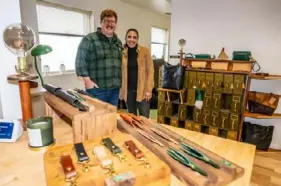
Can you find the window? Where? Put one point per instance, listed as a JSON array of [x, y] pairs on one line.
[[159, 44], [62, 28]]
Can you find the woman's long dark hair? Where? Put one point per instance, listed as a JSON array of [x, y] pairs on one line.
[[129, 30]]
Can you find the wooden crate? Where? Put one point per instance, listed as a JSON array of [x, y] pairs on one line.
[[223, 176], [157, 175], [100, 120]]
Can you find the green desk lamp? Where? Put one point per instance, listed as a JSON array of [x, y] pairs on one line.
[[38, 51]]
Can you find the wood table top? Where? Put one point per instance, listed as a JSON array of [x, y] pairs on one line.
[[21, 166]]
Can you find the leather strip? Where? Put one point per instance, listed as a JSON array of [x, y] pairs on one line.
[[99, 151], [81, 153], [111, 146], [134, 149], [68, 167]]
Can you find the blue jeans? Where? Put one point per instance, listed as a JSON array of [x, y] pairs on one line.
[[108, 96]]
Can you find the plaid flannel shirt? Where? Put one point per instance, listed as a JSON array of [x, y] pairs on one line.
[[100, 59]]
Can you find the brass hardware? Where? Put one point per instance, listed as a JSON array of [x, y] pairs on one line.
[[243, 86], [196, 117], [214, 120], [231, 86], [216, 100], [205, 118], [121, 157], [232, 125], [223, 119], [72, 181], [143, 161], [181, 114], [109, 170]]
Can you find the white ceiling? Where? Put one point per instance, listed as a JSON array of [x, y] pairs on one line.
[[160, 6]]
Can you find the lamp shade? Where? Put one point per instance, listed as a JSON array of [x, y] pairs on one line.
[[41, 50]]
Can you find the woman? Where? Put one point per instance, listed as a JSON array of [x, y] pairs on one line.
[[137, 75]]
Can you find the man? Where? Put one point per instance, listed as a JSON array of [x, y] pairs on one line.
[[98, 60]]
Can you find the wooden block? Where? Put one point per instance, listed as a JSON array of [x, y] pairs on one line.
[[197, 127], [100, 120], [158, 172], [232, 135], [223, 176], [189, 125], [214, 131], [242, 67], [219, 66]]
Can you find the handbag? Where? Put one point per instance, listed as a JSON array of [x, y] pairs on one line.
[[172, 76], [262, 103], [258, 135]]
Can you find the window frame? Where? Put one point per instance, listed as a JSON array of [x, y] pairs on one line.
[[89, 28], [165, 51]]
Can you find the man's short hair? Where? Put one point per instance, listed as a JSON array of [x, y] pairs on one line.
[[108, 13]]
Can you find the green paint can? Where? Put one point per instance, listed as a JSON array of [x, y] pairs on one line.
[[40, 133]]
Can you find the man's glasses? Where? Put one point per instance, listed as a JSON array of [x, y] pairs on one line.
[[108, 21]]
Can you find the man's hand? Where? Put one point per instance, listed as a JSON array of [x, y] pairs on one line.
[[89, 84], [148, 96]]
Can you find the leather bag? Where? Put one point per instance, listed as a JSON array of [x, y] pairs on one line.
[[262, 103], [258, 135], [172, 76]]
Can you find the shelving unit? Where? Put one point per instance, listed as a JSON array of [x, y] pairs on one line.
[[256, 115]]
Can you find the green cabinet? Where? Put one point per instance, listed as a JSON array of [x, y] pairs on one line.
[[236, 103], [207, 102], [234, 122], [190, 97], [228, 84], [185, 82], [239, 84], [218, 81], [161, 107], [209, 81], [197, 115], [224, 119], [161, 95], [215, 118], [191, 79], [182, 112], [200, 80], [206, 117], [216, 101]]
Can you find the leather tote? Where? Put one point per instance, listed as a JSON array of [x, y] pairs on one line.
[[258, 135], [262, 103], [172, 76]]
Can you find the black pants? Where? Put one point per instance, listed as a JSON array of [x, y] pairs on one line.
[[133, 105]]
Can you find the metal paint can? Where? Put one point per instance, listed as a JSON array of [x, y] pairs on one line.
[[40, 133]]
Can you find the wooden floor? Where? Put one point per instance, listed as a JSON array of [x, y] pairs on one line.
[[267, 169]]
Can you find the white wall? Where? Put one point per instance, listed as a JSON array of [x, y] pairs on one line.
[[9, 94], [253, 25], [129, 16]]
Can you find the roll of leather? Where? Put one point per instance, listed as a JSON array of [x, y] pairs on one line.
[[40, 132], [51, 88]]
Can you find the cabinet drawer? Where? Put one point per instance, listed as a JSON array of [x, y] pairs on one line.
[[239, 84], [215, 118], [174, 122], [234, 122], [161, 95], [209, 82], [206, 119], [190, 97], [232, 135], [224, 119], [218, 81], [197, 115], [228, 83], [188, 125], [213, 131], [191, 79], [185, 81], [168, 109], [161, 107], [207, 100], [236, 103], [196, 127], [182, 112], [216, 101], [200, 80], [160, 119]]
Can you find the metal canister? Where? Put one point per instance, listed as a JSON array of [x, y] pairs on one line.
[[40, 132]]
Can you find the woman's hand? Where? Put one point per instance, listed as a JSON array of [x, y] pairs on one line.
[[148, 96]]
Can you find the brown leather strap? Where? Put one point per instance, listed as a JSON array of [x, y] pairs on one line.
[[68, 167], [134, 149]]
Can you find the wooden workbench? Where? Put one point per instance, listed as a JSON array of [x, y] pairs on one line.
[[20, 166]]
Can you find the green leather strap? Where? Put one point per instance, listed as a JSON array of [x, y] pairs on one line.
[[111, 146]]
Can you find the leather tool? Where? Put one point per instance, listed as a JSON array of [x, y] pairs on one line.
[[69, 170], [195, 153], [82, 156], [130, 120], [151, 138], [164, 135], [102, 157], [115, 150], [138, 119], [137, 153], [180, 157]]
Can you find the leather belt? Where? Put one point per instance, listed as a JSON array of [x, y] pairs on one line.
[[139, 155], [82, 156], [115, 150], [102, 157], [69, 170]]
